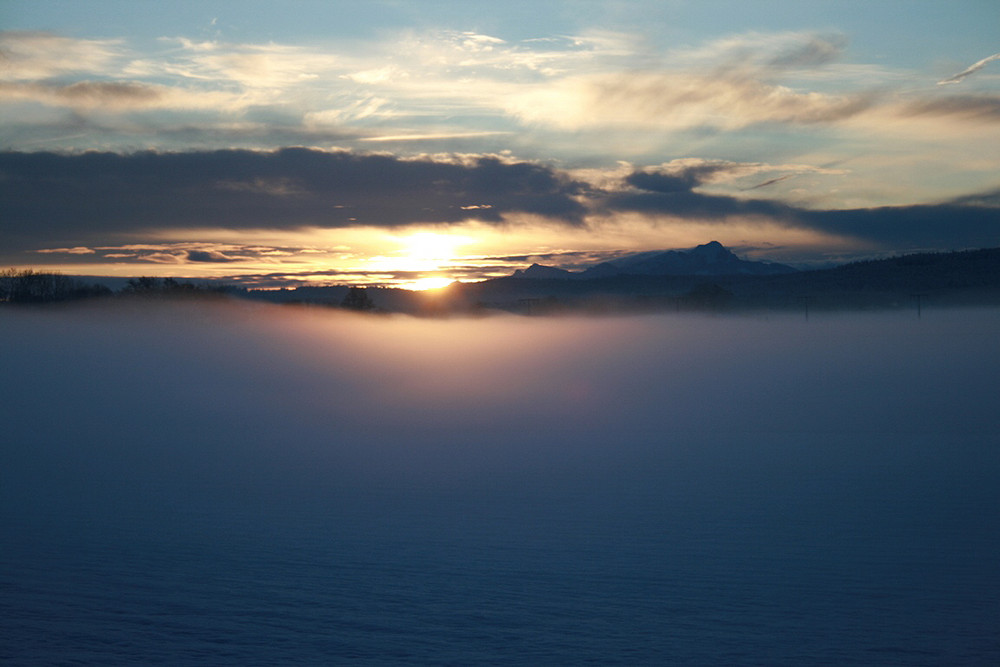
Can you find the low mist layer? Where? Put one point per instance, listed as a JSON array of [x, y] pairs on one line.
[[825, 485]]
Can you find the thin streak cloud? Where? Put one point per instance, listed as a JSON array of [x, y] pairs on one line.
[[972, 69], [771, 181], [430, 135]]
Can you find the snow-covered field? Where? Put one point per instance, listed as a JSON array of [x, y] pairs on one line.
[[235, 483]]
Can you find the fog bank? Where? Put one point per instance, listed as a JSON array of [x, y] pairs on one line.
[[818, 460]]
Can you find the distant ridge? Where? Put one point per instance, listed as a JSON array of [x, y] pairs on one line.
[[542, 272], [956, 278], [709, 259]]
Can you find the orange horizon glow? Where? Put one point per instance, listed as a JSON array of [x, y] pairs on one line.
[[418, 257]]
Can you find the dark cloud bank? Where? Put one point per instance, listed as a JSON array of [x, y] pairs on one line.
[[59, 200], [972, 221], [54, 196]]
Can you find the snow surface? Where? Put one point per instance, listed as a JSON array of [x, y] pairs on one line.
[[245, 484]]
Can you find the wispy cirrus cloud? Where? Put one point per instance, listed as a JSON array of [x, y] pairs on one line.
[[26, 56], [257, 66], [971, 69], [763, 50], [727, 84], [404, 81], [727, 100], [428, 87], [586, 96], [792, 80], [40, 67]]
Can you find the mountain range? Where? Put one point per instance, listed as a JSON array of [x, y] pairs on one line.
[[711, 277], [709, 259], [708, 277]]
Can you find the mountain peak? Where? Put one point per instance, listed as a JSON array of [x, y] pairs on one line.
[[708, 259], [542, 272], [713, 251]]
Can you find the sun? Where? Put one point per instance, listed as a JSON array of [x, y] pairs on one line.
[[431, 245], [428, 283], [426, 253]]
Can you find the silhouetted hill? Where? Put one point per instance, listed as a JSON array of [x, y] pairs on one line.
[[955, 278], [710, 259], [545, 273], [970, 277]]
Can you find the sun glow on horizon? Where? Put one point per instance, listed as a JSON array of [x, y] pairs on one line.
[[428, 283], [431, 245], [424, 252]]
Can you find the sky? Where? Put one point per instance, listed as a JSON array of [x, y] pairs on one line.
[[415, 143]]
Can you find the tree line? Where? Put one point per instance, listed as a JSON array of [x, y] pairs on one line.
[[30, 286]]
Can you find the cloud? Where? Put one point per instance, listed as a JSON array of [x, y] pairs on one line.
[[968, 222], [55, 197], [442, 88], [771, 181], [66, 201], [437, 52], [566, 259], [274, 186], [431, 135], [810, 51], [162, 258], [210, 256], [728, 85], [87, 94], [989, 199], [78, 250], [980, 108], [320, 87], [685, 174], [777, 50], [41, 55], [661, 195], [727, 99], [190, 75], [118, 96], [933, 226], [972, 69], [253, 65], [191, 251], [680, 179], [293, 277]]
